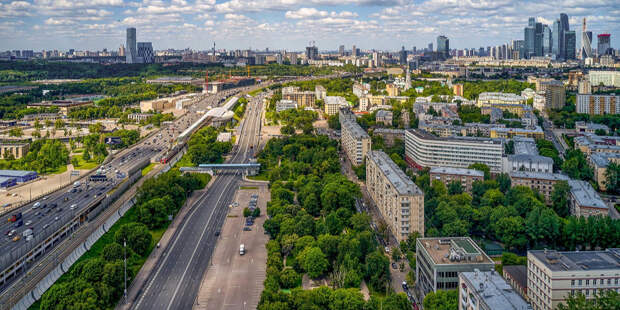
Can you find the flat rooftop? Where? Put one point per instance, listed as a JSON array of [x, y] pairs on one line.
[[530, 158], [422, 134], [493, 290], [399, 180], [539, 176], [356, 130], [16, 173], [453, 251], [457, 171], [579, 260], [525, 146]]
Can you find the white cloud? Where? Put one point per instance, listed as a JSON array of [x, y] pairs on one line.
[[59, 21]]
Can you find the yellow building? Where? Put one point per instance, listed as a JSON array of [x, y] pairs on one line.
[[392, 90], [536, 133]]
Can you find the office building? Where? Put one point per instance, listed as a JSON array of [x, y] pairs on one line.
[[440, 260], [487, 291], [15, 150], [443, 46], [605, 78], [557, 37], [402, 56], [145, 53], [131, 53], [540, 181], [564, 28], [341, 50], [552, 276], [333, 104], [570, 44], [604, 44], [529, 37], [425, 150], [598, 104], [555, 95], [303, 98], [586, 42], [585, 201], [547, 40], [399, 200], [353, 138], [283, 105], [538, 39], [447, 175]]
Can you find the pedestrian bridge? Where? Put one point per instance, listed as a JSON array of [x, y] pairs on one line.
[[249, 169]]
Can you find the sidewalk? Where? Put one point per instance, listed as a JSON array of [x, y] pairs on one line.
[[138, 282]]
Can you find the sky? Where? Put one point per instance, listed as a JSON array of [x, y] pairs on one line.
[[289, 24]]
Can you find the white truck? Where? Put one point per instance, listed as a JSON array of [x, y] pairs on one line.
[[242, 249]]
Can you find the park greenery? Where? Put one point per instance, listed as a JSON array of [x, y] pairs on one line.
[[567, 116], [315, 230], [603, 300], [95, 281], [517, 216], [203, 147]]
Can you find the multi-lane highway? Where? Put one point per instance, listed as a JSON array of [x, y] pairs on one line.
[[174, 281]]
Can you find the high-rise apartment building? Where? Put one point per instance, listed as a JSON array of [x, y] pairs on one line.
[[555, 94], [605, 78], [303, 98], [353, 138], [312, 52], [598, 104], [552, 276], [354, 51], [341, 50], [399, 200], [131, 53], [402, 56]]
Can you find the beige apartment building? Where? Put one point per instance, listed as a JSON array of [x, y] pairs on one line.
[[598, 104], [540, 181], [353, 139], [333, 104], [552, 276], [399, 200]]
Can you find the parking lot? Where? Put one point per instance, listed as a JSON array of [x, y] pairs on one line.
[[235, 281]]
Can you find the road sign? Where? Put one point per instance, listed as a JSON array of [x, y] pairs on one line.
[[75, 173]]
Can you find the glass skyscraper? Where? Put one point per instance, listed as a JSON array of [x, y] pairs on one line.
[[131, 52], [570, 41], [547, 40]]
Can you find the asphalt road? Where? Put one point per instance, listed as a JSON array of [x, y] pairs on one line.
[[175, 279]]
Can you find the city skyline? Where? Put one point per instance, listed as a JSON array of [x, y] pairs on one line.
[[241, 24]]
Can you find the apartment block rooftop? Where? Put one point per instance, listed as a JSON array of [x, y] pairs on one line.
[[539, 175], [457, 171], [602, 160], [422, 134], [453, 250], [493, 290], [579, 260], [523, 145], [399, 180], [356, 130], [585, 195]]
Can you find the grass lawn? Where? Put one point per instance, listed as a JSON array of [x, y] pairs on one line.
[[84, 165], [248, 187], [58, 170], [260, 177], [148, 168], [255, 92]]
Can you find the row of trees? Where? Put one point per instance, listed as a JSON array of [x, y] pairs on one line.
[[96, 282], [315, 230]]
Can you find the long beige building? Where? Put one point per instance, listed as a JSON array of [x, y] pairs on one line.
[[303, 98], [552, 275], [598, 104], [354, 140], [399, 200]]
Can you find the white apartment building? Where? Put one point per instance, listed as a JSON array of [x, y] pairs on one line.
[[334, 103], [488, 99], [354, 140], [425, 150], [398, 199], [284, 105], [607, 78], [552, 275]]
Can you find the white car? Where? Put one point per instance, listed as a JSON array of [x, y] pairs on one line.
[[28, 223], [36, 205], [72, 206]]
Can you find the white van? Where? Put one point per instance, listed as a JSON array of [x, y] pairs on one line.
[[27, 232], [242, 249]]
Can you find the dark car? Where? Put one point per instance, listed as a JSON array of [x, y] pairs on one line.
[[217, 232], [394, 266], [247, 228]]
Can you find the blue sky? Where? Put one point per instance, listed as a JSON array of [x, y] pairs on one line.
[[288, 24]]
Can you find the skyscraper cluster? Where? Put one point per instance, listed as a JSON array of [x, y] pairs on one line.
[[138, 52], [559, 41]]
